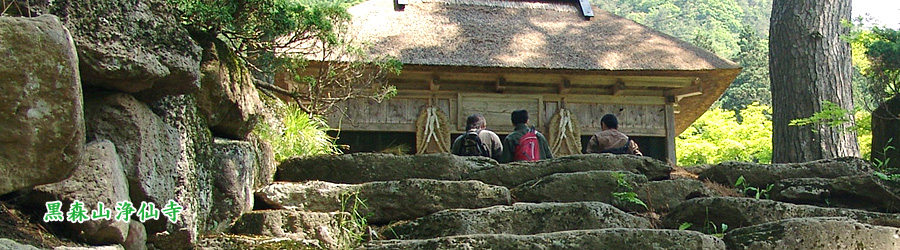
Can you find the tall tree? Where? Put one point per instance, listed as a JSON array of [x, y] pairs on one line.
[[809, 65]]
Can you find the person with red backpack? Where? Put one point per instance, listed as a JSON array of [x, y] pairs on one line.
[[525, 143], [477, 141], [610, 140]]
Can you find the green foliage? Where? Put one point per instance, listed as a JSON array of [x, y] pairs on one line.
[[831, 115], [864, 133], [717, 22], [685, 226], [355, 227], [717, 231], [758, 193], [718, 136], [626, 194], [299, 134], [752, 85]]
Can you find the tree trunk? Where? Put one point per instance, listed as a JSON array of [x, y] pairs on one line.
[[809, 63], [886, 132]]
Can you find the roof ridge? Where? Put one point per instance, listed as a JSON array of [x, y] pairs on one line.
[[519, 4]]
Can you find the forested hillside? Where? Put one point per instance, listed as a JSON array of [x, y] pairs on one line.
[[733, 29]]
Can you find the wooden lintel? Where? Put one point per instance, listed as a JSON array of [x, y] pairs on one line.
[[498, 86], [618, 87], [565, 86]]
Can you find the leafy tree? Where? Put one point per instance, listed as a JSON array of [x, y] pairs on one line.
[[752, 85], [270, 36], [718, 136], [881, 67]]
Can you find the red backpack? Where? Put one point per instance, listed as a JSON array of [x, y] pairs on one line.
[[528, 148]]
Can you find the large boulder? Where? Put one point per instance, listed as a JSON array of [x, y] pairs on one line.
[[581, 186], [41, 112], [761, 175], [809, 234], [131, 46], [266, 164], [660, 196], [100, 179], [743, 212], [192, 182], [137, 236], [516, 173], [230, 241], [148, 148], [327, 229], [865, 192], [233, 172], [628, 238], [384, 201], [227, 98], [520, 218], [366, 167]]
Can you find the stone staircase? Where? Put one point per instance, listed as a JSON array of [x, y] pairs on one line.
[[443, 201]]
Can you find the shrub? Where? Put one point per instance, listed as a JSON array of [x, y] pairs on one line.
[[300, 134]]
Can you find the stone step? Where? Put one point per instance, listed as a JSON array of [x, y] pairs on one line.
[[230, 241], [368, 167], [742, 212], [384, 202], [580, 186], [514, 174], [326, 229], [619, 238], [520, 218], [761, 175], [807, 233], [661, 196]]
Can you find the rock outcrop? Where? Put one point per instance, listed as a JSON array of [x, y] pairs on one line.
[[325, 228], [131, 46], [41, 113], [579, 186], [866, 192]]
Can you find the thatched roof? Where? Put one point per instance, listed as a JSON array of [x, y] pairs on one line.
[[546, 35], [538, 36]]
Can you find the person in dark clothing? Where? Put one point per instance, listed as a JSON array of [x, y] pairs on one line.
[[513, 148], [610, 140], [490, 142]]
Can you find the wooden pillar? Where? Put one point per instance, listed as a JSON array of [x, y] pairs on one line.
[[670, 133]]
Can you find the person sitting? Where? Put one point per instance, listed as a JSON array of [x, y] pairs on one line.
[[525, 143], [610, 140], [477, 141]]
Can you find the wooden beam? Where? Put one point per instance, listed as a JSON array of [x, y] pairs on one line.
[[618, 88], [678, 94], [565, 86], [434, 87], [498, 86]]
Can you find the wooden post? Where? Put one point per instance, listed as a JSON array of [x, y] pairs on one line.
[[670, 133]]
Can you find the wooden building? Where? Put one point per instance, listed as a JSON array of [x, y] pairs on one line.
[[566, 62]]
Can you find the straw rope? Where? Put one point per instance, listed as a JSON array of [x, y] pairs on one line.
[[565, 134], [432, 128]]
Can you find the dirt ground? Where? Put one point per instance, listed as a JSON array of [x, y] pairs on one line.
[[24, 229]]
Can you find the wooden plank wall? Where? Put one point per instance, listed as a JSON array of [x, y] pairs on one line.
[[394, 115], [637, 120], [400, 114]]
